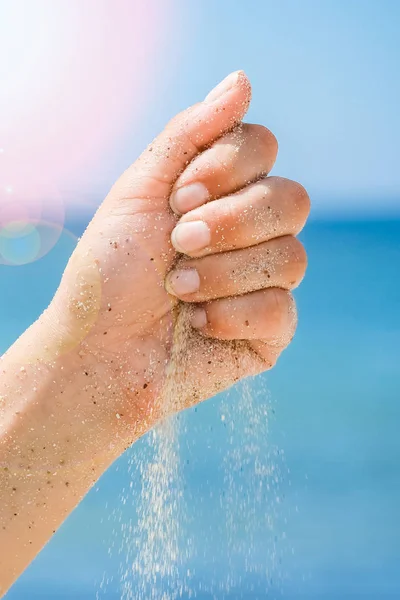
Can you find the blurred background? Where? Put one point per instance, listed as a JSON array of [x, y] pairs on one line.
[[303, 506]]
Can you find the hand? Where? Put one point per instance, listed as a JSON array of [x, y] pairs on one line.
[[179, 287], [194, 219]]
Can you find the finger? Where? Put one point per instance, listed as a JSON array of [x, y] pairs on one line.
[[267, 315], [185, 136], [280, 262], [269, 353], [206, 366], [238, 158], [270, 208]]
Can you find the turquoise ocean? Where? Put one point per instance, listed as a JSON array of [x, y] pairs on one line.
[[333, 445]]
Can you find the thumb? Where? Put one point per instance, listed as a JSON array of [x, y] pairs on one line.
[[186, 135]]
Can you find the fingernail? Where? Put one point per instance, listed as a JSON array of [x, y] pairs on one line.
[[224, 86], [182, 282], [189, 197], [199, 318], [191, 237]]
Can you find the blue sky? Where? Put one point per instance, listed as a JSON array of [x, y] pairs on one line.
[[325, 75], [326, 80]]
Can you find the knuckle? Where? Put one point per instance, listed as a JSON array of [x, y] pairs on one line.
[[294, 192], [260, 131], [282, 315], [268, 355], [301, 200], [269, 362], [266, 142], [271, 359], [272, 362], [297, 260], [266, 137], [256, 139]]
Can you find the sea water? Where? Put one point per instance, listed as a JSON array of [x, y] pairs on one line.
[[333, 410]]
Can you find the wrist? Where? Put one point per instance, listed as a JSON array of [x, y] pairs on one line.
[[64, 389], [53, 444]]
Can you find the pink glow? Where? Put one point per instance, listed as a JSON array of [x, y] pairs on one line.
[[72, 73]]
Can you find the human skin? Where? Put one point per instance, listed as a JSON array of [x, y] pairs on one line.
[[97, 369]]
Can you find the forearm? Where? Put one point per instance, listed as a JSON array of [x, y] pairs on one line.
[[56, 439]]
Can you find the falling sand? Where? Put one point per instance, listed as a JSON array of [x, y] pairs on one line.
[[153, 561]]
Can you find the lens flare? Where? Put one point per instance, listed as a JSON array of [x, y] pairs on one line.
[[17, 249], [31, 216]]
